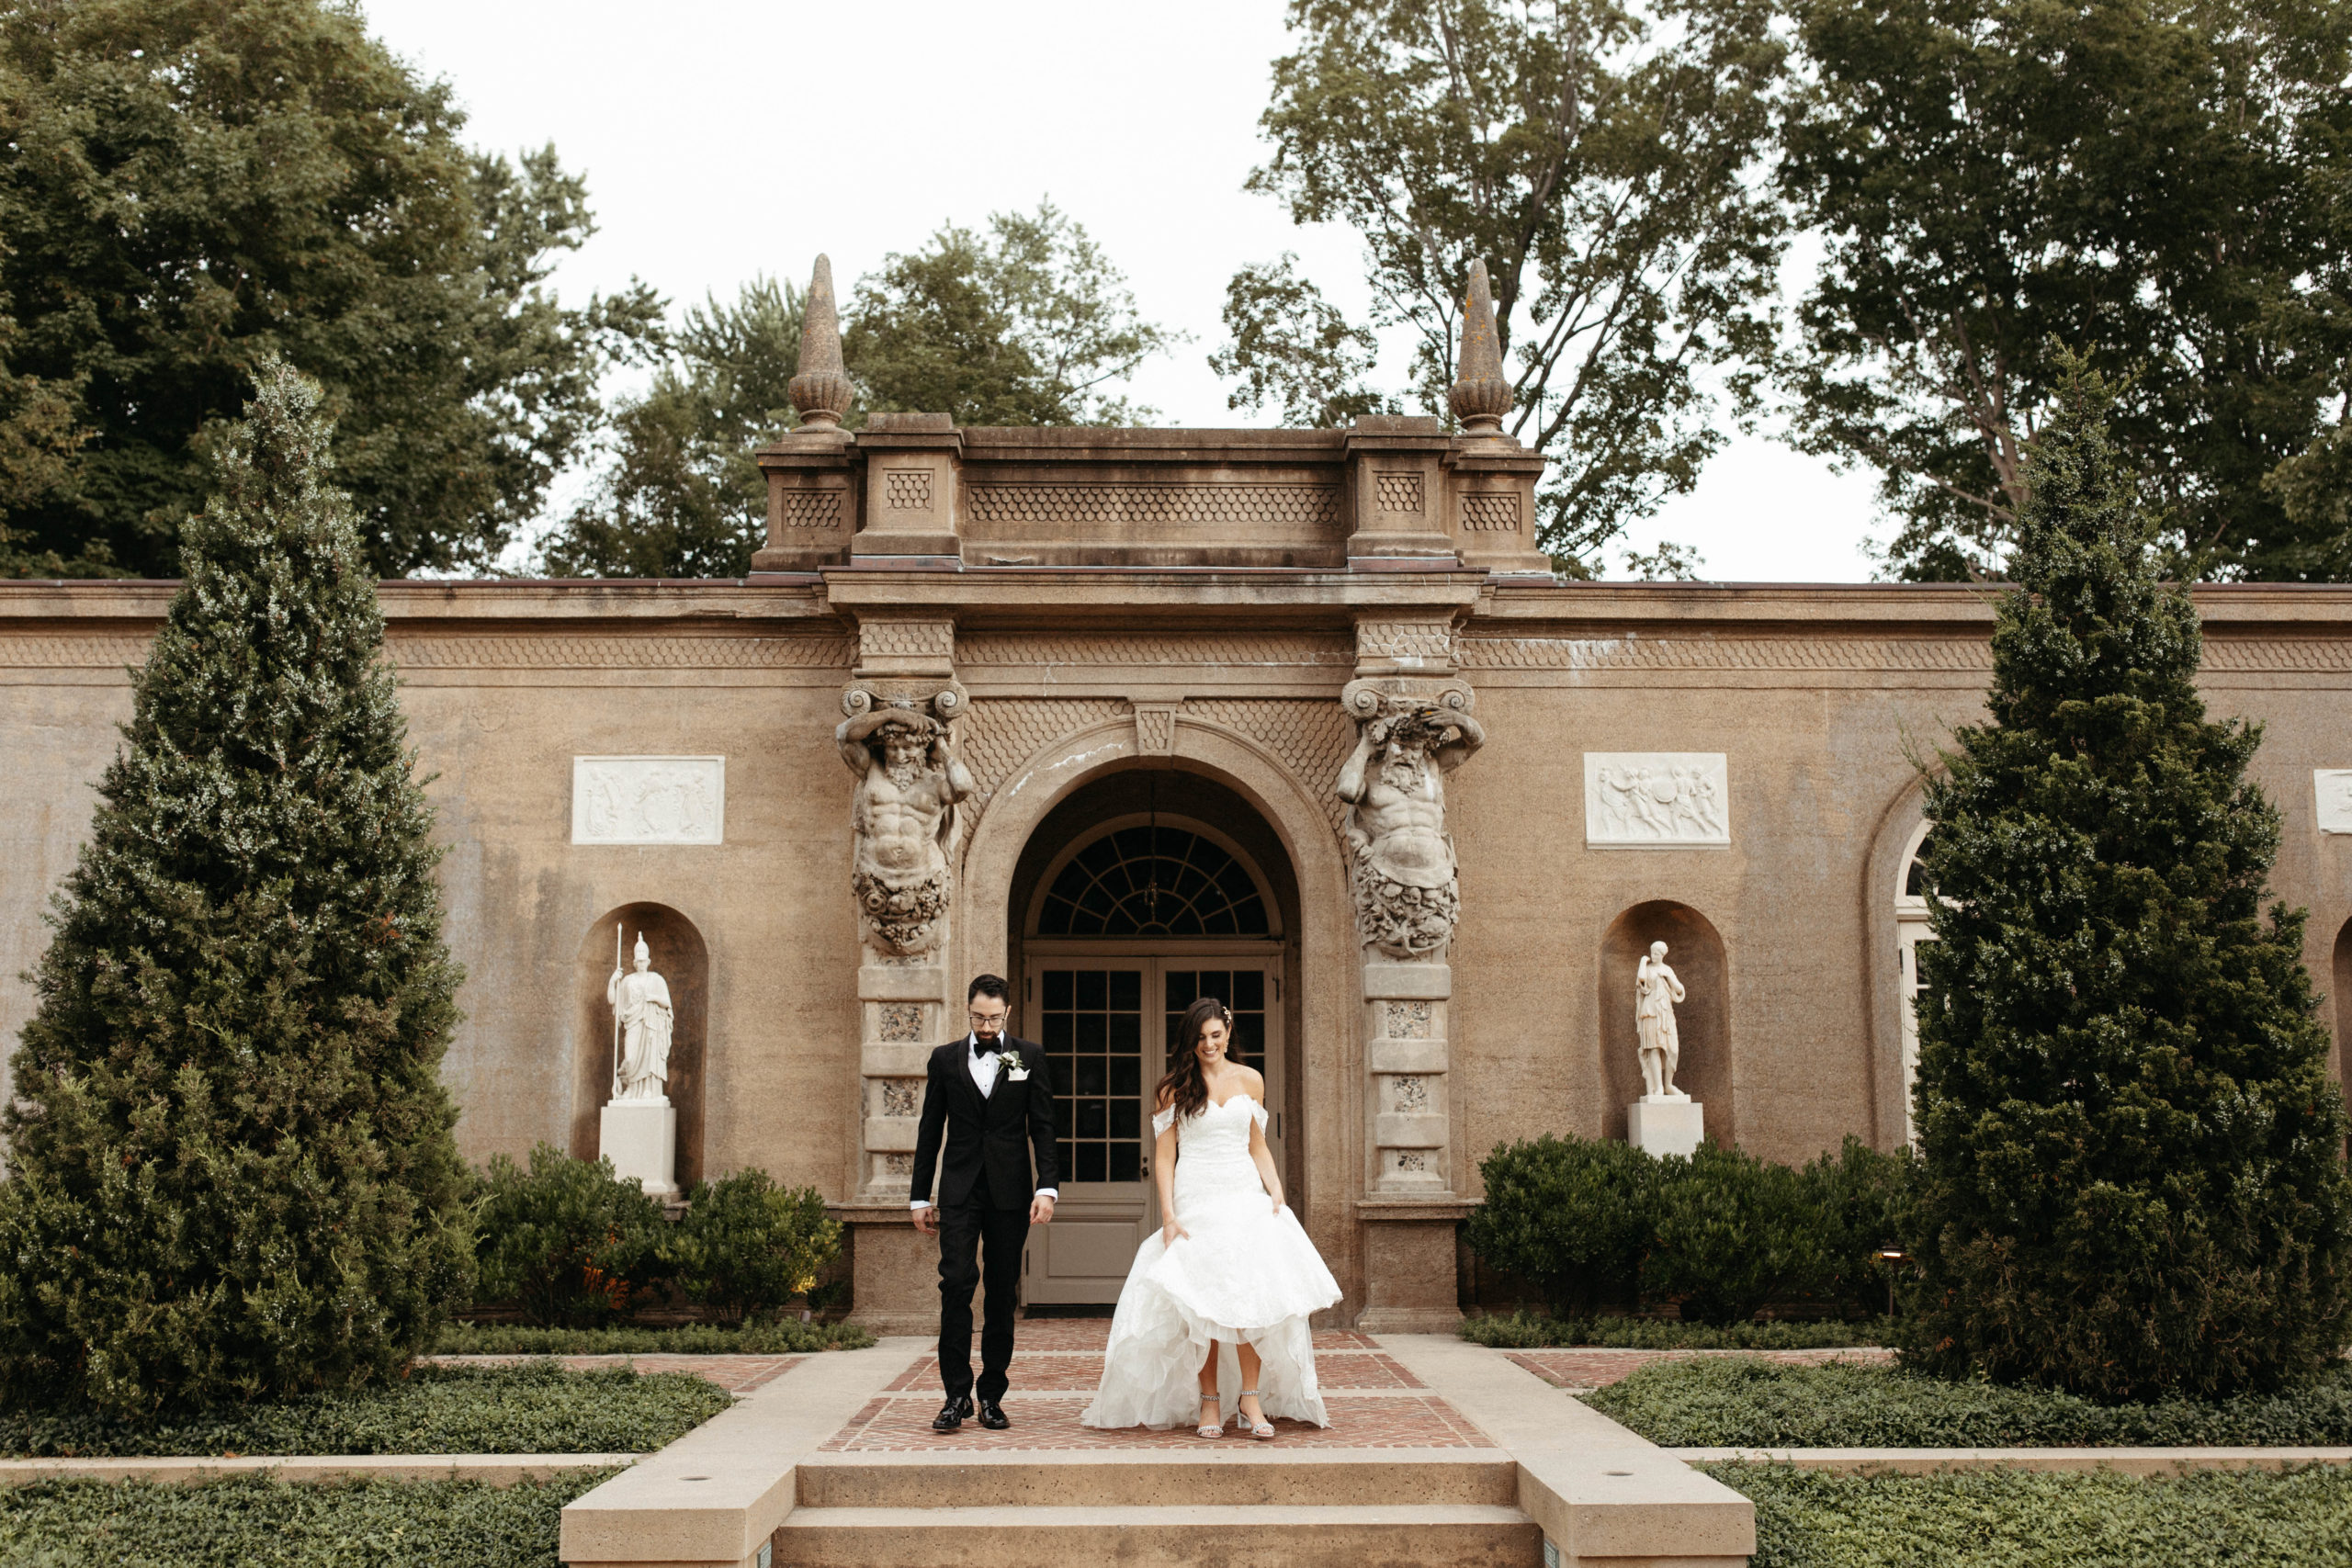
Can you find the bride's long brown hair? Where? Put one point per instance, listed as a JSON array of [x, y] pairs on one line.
[[1186, 1086]]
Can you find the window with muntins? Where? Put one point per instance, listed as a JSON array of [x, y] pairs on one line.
[[1153, 882]]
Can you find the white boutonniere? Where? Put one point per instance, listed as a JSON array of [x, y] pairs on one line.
[[1014, 1068]]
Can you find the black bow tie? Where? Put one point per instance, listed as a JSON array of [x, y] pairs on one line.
[[981, 1046]]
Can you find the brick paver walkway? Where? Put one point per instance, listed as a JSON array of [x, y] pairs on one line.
[[1050, 1422], [1582, 1369], [1049, 1372]]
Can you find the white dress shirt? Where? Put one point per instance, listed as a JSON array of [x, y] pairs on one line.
[[984, 1067]]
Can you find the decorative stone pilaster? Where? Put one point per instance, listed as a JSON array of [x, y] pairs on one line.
[[1397, 485], [914, 476], [898, 738], [1412, 713]]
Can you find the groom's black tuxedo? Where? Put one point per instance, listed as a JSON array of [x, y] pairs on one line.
[[985, 1189], [985, 1160]]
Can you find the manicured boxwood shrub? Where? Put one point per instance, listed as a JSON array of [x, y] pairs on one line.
[[1526, 1331], [781, 1338], [537, 1408], [2010, 1519], [1593, 1224], [1745, 1401], [575, 1247], [253, 1522]]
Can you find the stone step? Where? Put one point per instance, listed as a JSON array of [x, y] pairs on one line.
[[1327, 1478], [1436, 1535]]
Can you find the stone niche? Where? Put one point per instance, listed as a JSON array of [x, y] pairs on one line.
[[1703, 1020], [679, 957]]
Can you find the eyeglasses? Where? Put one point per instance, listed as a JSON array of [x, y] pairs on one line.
[[980, 1017]]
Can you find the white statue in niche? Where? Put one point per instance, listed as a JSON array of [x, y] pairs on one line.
[[1655, 990], [642, 1014]]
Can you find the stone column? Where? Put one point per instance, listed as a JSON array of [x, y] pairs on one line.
[[898, 736], [1414, 727]]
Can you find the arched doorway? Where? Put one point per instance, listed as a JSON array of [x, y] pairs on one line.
[[1144, 891]]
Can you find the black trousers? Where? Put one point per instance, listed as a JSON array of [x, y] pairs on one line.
[[979, 1245]]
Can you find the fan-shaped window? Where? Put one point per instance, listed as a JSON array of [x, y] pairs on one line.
[[1145, 881]]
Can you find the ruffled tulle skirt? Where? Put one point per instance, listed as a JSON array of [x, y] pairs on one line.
[[1244, 1274]]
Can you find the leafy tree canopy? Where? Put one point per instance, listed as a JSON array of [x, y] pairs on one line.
[[2134, 1155], [189, 186], [1602, 158], [1027, 324], [2164, 181]]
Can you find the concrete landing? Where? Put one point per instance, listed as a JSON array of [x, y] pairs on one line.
[[1440, 1454]]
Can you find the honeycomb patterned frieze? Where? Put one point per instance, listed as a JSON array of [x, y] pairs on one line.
[[1890, 654], [1398, 492], [812, 509], [1404, 639], [1208, 651], [568, 651], [1490, 513], [1001, 733], [1158, 505], [1311, 738], [906, 640]]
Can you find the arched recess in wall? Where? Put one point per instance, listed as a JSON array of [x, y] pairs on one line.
[[1911, 929], [679, 957], [2340, 975], [1695, 951]]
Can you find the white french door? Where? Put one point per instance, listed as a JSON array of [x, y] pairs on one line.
[[1106, 1014]]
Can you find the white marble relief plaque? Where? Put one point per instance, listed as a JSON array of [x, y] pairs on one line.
[[648, 800], [1661, 798], [2333, 786]]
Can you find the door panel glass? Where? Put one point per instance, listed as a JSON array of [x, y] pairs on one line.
[[1242, 991], [1092, 1029]]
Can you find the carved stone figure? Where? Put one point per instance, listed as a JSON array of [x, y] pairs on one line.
[[1406, 893], [1655, 990], [903, 814], [641, 1004]]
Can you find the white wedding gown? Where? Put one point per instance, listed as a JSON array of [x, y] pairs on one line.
[[1242, 1273]]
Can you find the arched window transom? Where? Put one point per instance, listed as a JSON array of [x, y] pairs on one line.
[[1145, 881]]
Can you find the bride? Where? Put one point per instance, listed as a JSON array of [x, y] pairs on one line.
[[1225, 1287]]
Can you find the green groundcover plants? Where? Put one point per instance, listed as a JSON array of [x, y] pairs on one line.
[[534, 1408], [1742, 1401], [251, 1522], [786, 1339], [2009, 1519], [1529, 1331]]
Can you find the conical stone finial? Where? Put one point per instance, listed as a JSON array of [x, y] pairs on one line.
[[1480, 396], [821, 389]]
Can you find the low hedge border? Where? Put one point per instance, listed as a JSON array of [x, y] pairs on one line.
[[687, 1339], [534, 1408], [2010, 1518], [1528, 1331], [251, 1522], [1720, 1401]]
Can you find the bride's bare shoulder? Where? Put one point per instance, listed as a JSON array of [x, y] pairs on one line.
[[1253, 1082], [1165, 1097]]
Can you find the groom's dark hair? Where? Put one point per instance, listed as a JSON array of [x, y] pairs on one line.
[[990, 986]]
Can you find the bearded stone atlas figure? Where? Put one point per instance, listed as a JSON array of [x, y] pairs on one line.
[[1406, 898], [902, 818]]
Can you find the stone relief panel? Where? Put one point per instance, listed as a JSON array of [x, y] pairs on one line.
[[1399, 492], [1166, 505], [812, 509], [1412, 1094], [2333, 788], [1659, 799], [901, 1097], [1406, 1020], [902, 1023], [648, 800], [1490, 513], [907, 489]]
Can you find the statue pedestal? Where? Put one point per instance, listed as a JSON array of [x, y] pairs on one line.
[[641, 1137], [1658, 1125]]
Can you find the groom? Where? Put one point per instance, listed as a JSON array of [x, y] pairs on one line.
[[986, 1094]]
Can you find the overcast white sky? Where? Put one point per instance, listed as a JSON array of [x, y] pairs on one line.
[[721, 139]]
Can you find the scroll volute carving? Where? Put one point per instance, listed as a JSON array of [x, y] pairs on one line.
[[1409, 735]]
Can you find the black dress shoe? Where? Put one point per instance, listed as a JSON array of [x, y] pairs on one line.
[[951, 1414], [992, 1416]]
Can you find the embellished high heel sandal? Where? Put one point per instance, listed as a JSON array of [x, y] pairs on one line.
[[1260, 1429], [1217, 1428]]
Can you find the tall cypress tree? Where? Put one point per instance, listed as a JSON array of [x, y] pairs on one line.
[[233, 1175], [2133, 1172]]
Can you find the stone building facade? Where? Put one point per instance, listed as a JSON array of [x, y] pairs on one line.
[[1297, 717]]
